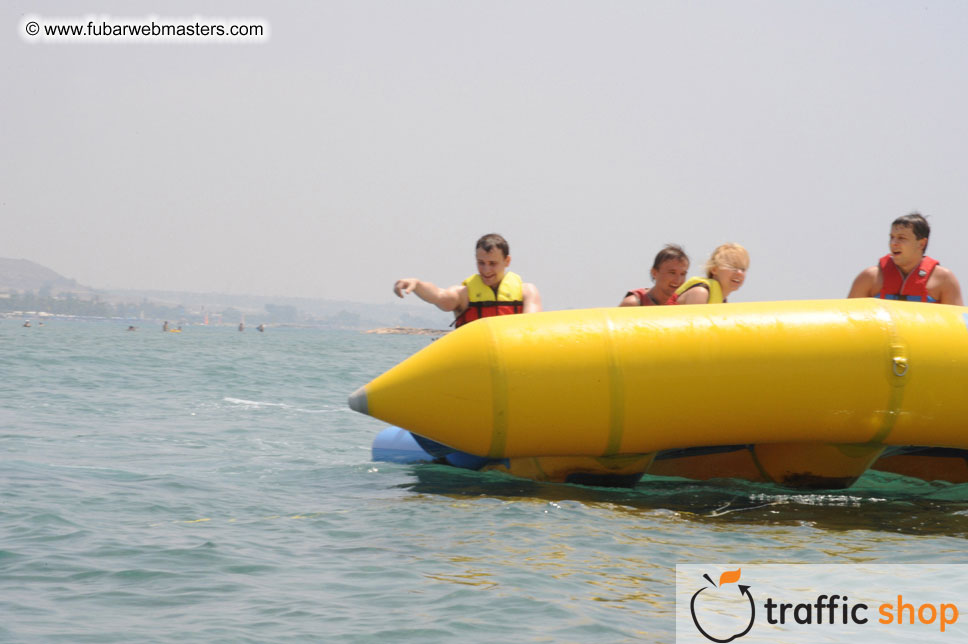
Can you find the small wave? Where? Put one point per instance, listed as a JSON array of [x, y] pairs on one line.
[[840, 500], [258, 404], [330, 410], [253, 403]]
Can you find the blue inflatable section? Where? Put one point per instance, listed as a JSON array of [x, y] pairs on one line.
[[396, 445]]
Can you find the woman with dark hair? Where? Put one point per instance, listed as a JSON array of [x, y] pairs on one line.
[[668, 272]]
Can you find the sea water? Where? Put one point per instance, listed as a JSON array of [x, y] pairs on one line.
[[212, 486]]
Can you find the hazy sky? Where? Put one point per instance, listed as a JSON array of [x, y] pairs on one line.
[[371, 140]]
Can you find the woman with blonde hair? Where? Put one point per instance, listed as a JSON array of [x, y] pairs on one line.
[[725, 273]]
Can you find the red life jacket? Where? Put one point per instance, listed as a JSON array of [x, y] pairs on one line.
[[643, 295], [483, 302], [913, 288]]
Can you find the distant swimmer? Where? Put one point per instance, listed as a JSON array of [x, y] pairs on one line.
[[669, 270], [261, 328], [164, 327], [132, 328], [241, 326], [492, 291], [27, 323], [725, 273], [906, 273]]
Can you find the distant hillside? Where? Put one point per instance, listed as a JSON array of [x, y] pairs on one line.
[[29, 287], [20, 275]]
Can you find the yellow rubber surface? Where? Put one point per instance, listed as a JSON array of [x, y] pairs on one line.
[[614, 381]]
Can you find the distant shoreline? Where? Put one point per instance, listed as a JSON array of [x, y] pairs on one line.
[[406, 330], [151, 322]]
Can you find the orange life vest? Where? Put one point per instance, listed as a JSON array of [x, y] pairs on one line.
[[485, 303]]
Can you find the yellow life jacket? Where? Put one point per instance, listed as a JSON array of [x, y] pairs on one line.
[[715, 290], [485, 303]]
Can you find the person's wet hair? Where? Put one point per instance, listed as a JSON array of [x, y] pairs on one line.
[[918, 225], [491, 241], [670, 251]]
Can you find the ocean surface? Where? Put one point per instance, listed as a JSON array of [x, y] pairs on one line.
[[213, 486]]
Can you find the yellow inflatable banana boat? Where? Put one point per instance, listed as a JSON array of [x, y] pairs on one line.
[[818, 387]]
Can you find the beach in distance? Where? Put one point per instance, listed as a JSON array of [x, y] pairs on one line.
[[213, 486]]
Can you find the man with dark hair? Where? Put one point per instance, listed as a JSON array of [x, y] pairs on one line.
[[493, 290], [668, 272], [906, 273]]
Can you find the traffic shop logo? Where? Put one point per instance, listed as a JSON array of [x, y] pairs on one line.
[[723, 612]]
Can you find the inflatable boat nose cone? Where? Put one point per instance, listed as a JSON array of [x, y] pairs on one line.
[[357, 401]]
